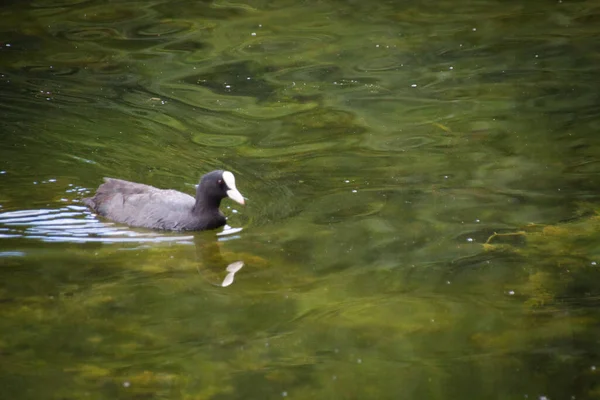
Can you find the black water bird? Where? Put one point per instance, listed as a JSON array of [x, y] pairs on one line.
[[145, 206]]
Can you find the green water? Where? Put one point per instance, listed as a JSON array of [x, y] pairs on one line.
[[380, 146]]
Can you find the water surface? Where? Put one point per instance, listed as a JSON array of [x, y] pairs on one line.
[[422, 202]]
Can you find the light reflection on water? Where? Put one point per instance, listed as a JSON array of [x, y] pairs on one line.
[[77, 224], [381, 147]]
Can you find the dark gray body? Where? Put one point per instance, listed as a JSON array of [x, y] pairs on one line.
[[145, 206]]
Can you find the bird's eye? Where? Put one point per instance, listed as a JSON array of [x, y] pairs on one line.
[[220, 182]]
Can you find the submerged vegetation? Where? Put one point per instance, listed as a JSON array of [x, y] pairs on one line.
[[422, 216]]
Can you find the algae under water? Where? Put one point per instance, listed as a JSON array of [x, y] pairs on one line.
[[422, 183]]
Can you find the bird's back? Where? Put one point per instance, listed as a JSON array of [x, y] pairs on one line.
[[142, 205]]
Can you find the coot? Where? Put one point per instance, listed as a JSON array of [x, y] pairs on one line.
[[144, 206]]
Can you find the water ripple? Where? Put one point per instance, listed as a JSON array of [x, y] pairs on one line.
[[281, 44], [75, 224], [57, 3], [218, 140], [388, 62], [161, 29], [91, 34]]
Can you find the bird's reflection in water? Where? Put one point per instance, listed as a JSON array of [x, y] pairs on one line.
[[231, 269], [76, 224], [211, 260]]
